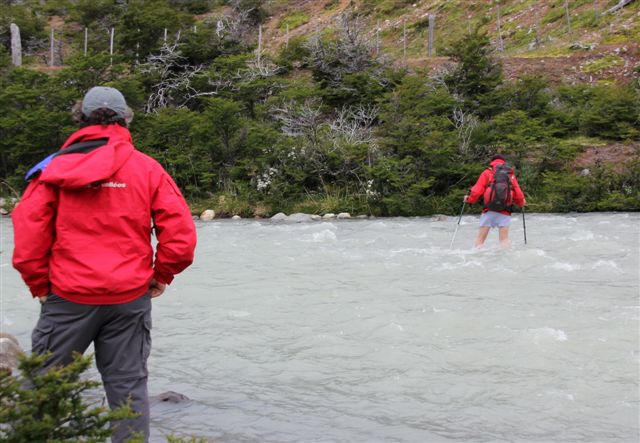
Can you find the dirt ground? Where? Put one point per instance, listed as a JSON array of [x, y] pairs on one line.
[[615, 154]]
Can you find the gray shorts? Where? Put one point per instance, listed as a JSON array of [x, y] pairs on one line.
[[491, 219]]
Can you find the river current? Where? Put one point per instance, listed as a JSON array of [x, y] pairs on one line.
[[378, 331]]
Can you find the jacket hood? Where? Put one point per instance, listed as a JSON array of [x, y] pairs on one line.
[[496, 162], [71, 171]]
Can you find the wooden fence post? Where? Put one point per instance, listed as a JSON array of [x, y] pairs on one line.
[[378, 38], [113, 32], [500, 42], [259, 44], [86, 41], [286, 38], [432, 25], [16, 45], [404, 41], [566, 9], [51, 48]]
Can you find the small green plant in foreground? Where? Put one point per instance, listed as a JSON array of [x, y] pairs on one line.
[[41, 406]]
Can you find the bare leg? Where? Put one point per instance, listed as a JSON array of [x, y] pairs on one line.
[[503, 234], [482, 236]]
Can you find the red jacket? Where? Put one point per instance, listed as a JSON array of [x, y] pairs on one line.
[[485, 179], [83, 227]]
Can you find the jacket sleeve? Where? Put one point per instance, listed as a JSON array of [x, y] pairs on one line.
[[477, 190], [33, 230], [175, 230], [518, 195]]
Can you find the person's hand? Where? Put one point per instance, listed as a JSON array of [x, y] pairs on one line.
[[156, 288], [43, 298], [466, 199]]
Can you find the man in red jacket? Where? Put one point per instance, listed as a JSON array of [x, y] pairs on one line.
[[494, 214], [83, 247]]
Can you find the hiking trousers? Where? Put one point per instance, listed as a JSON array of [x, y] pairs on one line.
[[121, 335]]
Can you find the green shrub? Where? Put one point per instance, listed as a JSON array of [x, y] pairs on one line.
[[50, 406]]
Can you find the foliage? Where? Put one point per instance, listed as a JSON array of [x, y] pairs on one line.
[[293, 21], [477, 74], [326, 125], [31, 25], [345, 67], [49, 405], [144, 24]]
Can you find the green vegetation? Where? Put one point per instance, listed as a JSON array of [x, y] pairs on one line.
[[53, 408], [52, 405], [294, 20], [326, 125], [603, 63]]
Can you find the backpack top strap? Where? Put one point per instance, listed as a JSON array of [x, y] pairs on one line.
[[76, 148]]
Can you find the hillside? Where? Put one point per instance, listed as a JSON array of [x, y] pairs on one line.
[[536, 38], [589, 45], [343, 107]]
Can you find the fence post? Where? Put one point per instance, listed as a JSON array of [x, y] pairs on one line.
[[86, 40], [378, 38], [51, 48], [500, 42], [16, 45], [432, 25], [259, 44], [113, 31], [404, 41], [566, 9]]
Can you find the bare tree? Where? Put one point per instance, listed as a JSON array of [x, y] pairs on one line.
[[354, 125], [323, 139], [351, 52], [300, 119], [173, 86], [465, 123]]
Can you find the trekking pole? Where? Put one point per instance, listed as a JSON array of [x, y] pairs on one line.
[[524, 225], [458, 225]]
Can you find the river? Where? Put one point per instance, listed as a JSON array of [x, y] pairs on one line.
[[377, 331]]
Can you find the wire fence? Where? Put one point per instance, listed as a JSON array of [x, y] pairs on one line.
[[423, 39]]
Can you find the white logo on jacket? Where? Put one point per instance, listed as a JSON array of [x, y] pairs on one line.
[[113, 185]]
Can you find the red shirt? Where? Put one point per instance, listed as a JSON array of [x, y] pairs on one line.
[[486, 178], [83, 228]]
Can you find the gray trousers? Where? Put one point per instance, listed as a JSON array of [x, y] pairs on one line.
[[122, 339]]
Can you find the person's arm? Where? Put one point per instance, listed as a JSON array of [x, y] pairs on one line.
[[175, 232], [518, 195], [477, 190], [34, 233]]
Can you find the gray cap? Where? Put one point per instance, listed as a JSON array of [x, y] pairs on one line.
[[105, 97]]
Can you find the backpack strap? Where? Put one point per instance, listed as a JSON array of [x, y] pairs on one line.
[[76, 148]]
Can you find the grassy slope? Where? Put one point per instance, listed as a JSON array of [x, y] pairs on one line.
[[535, 34], [530, 30]]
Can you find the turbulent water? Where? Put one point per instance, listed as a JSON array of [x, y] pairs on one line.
[[378, 331]]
